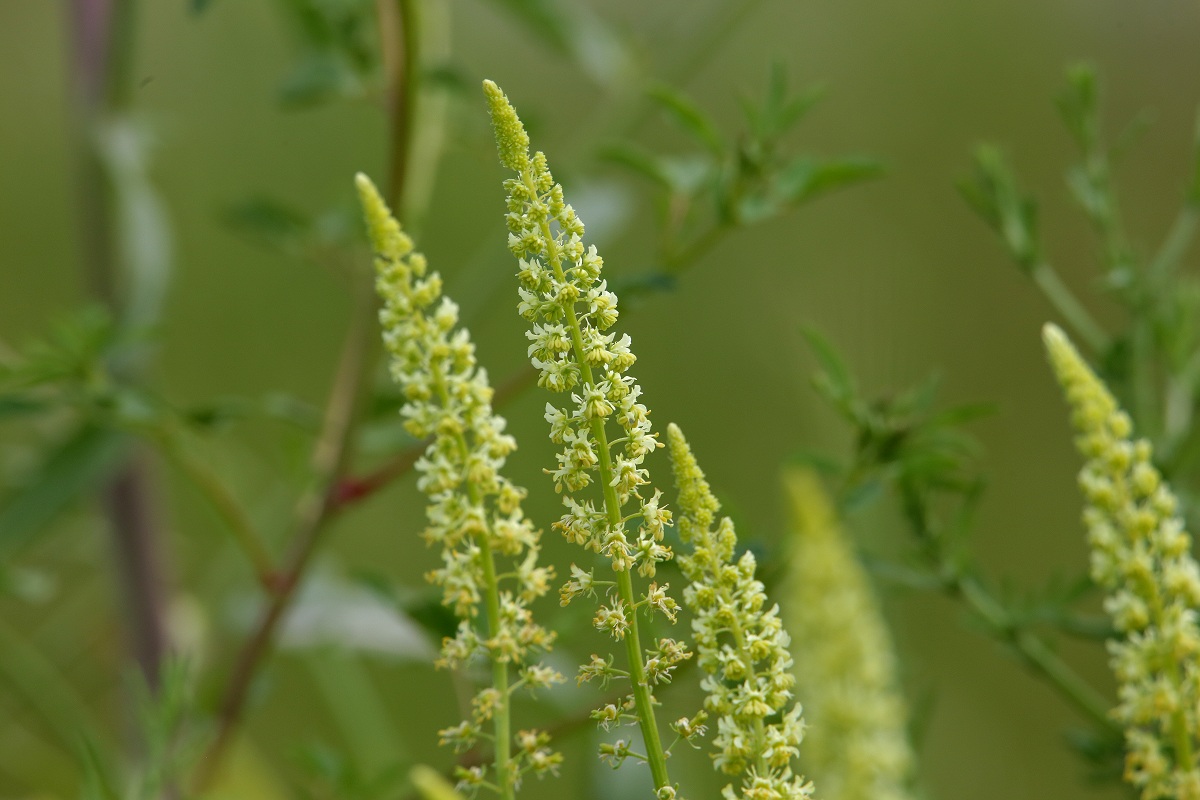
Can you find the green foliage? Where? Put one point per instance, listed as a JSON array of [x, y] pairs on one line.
[[732, 182]]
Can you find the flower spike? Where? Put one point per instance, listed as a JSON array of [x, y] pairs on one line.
[[1141, 555], [474, 512], [571, 313], [845, 662], [740, 643]]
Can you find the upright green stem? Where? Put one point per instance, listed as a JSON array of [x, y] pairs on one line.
[[1036, 654], [643, 700], [1179, 238], [1071, 309], [501, 717]]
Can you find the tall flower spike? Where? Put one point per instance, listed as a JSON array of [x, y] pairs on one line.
[[740, 643], [1142, 556], [571, 311], [474, 512], [845, 664]]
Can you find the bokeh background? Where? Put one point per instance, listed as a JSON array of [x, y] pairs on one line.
[[897, 272]]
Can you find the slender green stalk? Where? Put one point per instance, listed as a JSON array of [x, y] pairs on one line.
[[1035, 653], [222, 500], [655, 756], [1065, 302], [1177, 242]]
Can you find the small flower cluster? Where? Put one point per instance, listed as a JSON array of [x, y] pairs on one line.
[[846, 670], [571, 312], [474, 512], [740, 643], [1142, 556]]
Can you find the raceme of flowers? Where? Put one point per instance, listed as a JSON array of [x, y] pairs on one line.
[[846, 670], [1142, 556], [474, 512], [740, 643], [576, 352]]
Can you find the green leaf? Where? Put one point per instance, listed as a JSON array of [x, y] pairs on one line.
[[1078, 106], [16, 405], [690, 118], [833, 367], [641, 161], [317, 78], [71, 352], [778, 114], [993, 193], [71, 470], [269, 222], [199, 6], [573, 30], [804, 180]]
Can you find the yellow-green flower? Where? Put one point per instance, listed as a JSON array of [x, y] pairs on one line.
[[474, 512], [1142, 556], [740, 643], [604, 430], [857, 747]]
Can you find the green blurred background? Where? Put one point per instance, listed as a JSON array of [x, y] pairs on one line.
[[898, 273]]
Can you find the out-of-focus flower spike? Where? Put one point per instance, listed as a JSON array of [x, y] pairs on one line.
[[858, 747]]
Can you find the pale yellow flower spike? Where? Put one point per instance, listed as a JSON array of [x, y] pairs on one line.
[[857, 747], [741, 644], [602, 426], [474, 512], [1142, 556]]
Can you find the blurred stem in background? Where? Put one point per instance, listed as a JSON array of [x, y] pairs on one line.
[[102, 38], [400, 34]]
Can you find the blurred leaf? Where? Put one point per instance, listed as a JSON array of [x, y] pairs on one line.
[[72, 351], [640, 161], [804, 180], [690, 118], [70, 471], [338, 55], [15, 405], [270, 223], [317, 78], [199, 6], [1131, 134], [993, 192], [575, 31], [358, 709], [821, 463], [1078, 106], [97, 785], [834, 380], [778, 114]]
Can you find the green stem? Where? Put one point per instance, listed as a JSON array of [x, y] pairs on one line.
[[500, 717], [1069, 307], [642, 697], [222, 500], [1036, 654], [1179, 238]]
